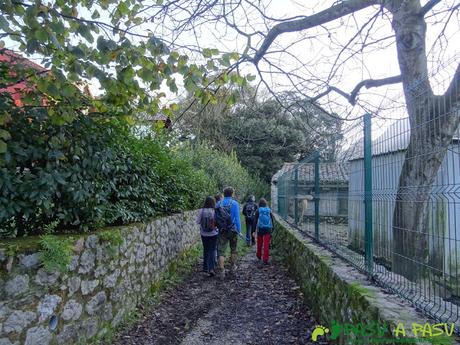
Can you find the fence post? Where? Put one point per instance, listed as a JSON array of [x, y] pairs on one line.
[[368, 235], [279, 196], [282, 195], [317, 196], [296, 186]]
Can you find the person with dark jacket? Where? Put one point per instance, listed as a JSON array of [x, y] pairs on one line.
[[264, 223], [207, 220], [249, 212]]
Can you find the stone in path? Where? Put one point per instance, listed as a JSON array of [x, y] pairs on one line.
[[262, 306]]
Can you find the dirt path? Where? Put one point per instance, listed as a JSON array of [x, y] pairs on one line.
[[261, 305]]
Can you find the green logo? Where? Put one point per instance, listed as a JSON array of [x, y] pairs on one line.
[[318, 331], [381, 333]]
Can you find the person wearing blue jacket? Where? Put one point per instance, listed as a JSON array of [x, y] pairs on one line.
[[228, 234], [264, 225]]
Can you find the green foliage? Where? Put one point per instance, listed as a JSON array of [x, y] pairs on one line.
[[265, 135], [113, 237], [94, 171], [88, 173], [69, 159], [130, 66], [48, 229], [55, 252], [225, 170]]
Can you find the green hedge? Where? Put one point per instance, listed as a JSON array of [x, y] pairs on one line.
[[93, 172], [225, 170]]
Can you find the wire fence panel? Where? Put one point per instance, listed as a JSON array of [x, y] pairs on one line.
[[408, 238]]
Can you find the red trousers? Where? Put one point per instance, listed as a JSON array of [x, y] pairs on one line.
[[263, 241]]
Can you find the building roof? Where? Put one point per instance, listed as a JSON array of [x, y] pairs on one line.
[[159, 117], [17, 89], [328, 172], [13, 58], [394, 139]]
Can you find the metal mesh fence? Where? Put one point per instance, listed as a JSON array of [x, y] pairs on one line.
[[390, 204]]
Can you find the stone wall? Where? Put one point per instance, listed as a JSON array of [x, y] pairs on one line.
[[334, 290], [102, 284]]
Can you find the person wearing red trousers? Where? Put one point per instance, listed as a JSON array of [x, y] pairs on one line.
[[264, 226]]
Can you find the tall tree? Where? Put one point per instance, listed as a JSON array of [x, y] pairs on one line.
[[357, 30], [264, 134]]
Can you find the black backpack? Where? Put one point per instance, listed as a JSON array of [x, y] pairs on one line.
[[250, 210], [223, 218]]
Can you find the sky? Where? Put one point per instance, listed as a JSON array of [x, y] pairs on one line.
[[318, 50]]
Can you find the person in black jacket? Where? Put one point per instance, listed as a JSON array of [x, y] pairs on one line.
[[249, 212]]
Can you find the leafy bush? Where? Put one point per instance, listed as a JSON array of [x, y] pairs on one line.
[[94, 171], [225, 170]]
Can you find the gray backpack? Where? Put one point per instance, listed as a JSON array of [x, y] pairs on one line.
[[207, 223]]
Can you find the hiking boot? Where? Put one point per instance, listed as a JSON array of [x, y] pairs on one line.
[[212, 273]]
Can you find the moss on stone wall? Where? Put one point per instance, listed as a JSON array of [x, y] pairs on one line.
[[336, 292], [110, 272]]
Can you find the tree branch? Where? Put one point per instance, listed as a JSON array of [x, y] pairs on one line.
[[368, 83], [334, 12], [428, 6], [373, 83], [452, 94]]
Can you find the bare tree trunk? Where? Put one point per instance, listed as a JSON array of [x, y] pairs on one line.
[[433, 122], [425, 153]]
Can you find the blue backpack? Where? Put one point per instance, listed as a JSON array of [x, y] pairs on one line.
[[265, 220]]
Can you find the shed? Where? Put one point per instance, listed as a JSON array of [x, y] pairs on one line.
[[288, 185], [443, 227]]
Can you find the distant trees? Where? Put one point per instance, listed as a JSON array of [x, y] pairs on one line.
[[264, 134]]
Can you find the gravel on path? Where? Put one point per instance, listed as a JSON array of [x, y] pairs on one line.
[[261, 305]]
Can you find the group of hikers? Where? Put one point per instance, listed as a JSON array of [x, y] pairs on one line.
[[220, 226]]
